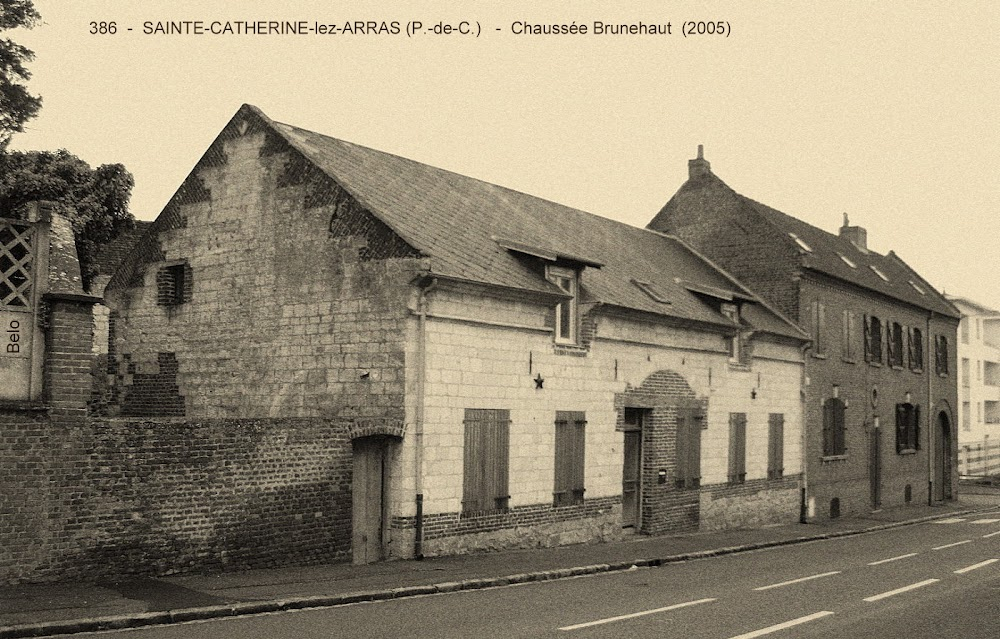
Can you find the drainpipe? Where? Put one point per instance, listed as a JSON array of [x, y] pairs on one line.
[[803, 428], [930, 412], [418, 427]]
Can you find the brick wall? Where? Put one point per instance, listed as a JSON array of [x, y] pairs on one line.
[[847, 478], [110, 497]]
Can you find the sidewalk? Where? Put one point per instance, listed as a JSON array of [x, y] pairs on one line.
[[32, 610]]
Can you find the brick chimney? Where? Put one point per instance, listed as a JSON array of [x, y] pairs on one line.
[[857, 235], [699, 167]]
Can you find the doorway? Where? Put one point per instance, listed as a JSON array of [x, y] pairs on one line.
[[632, 469], [369, 530], [942, 461], [875, 465]]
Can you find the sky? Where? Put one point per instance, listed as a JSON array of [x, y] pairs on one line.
[[886, 111]]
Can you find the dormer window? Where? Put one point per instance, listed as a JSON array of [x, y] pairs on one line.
[[802, 243], [567, 280], [917, 288], [735, 342]]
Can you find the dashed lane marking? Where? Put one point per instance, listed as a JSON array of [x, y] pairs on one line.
[[992, 534], [962, 571], [897, 591], [885, 561], [957, 543], [782, 626], [636, 614], [985, 521], [950, 520], [799, 580]]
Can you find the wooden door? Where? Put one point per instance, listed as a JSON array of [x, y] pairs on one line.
[[368, 507], [631, 474], [942, 462]]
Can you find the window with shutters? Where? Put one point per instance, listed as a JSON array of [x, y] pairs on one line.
[[775, 446], [834, 440], [916, 348], [894, 332], [570, 436], [688, 449], [487, 449], [941, 355], [907, 428], [819, 329], [847, 337], [737, 448], [873, 339]]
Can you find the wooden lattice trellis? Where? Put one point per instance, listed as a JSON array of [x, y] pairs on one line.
[[15, 264]]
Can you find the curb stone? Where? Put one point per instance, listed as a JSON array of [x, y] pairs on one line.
[[137, 620]]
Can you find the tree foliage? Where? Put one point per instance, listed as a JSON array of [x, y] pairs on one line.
[[17, 106], [94, 200]]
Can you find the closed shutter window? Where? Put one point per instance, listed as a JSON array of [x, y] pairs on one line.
[[737, 448], [688, 449], [775, 446], [487, 449], [570, 436]]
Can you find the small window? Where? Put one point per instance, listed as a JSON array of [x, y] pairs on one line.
[[873, 339], [847, 336], [173, 285], [878, 272], [737, 349], [487, 450], [907, 428], [915, 342], [819, 328], [834, 439], [802, 243], [847, 260], [569, 459], [966, 377], [965, 329], [966, 416], [775, 446], [917, 288], [737, 448], [565, 312], [941, 355], [895, 344]]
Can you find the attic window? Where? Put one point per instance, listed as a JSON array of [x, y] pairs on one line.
[[917, 288], [847, 260], [565, 311], [802, 243], [878, 272], [652, 291]]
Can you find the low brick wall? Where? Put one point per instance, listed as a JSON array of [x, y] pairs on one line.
[[87, 499]]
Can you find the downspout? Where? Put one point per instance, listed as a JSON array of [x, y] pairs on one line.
[[930, 412], [418, 427], [803, 428]]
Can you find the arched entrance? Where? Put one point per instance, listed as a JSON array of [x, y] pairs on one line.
[[943, 454]]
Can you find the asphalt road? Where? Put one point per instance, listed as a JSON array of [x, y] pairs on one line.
[[936, 579]]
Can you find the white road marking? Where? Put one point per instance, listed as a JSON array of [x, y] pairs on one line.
[[950, 520], [782, 626], [636, 614], [897, 591], [957, 543], [992, 534], [885, 561], [985, 521], [799, 580], [962, 571]]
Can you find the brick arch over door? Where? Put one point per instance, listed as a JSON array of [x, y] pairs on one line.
[[668, 401], [367, 427]]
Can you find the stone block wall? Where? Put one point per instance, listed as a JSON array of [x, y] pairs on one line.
[[88, 499]]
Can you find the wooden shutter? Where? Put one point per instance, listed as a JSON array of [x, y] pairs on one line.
[[901, 434], [737, 447], [916, 427], [694, 450], [839, 434], [775, 446], [487, 449], [868, 338], [890, 345], [570, 436], [682, 454], [828, 427]]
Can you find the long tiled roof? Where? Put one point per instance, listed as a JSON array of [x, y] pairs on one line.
[[110, 255], [467, 228]]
